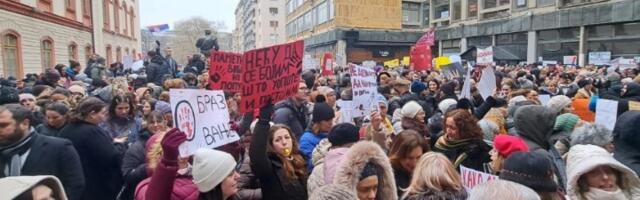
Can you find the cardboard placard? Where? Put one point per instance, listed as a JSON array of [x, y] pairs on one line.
[[203, 116], [484, 56], [599, 57], [570, 60], [471, 177], [544, 99], [225, 71], [487, 83], [365, 89], [270, 73], [606, 113], [634, 105]]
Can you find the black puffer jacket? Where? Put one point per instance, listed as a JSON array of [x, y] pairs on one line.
[[626, 139], [157, 71], [289, 114], [134, 168]]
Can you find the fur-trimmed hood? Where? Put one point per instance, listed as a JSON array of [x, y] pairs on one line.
[[430, 194], [583, 158], [356, 158]]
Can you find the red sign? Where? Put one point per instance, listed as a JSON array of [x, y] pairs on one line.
[[270, 73], [225, 71], [327, 64], [427, 39]]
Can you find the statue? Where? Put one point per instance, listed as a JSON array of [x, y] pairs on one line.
[[206, 43]]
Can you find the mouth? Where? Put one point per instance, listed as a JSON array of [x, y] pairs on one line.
[[608, 187]]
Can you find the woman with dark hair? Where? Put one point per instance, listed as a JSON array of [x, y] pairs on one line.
[[56, 118], [147, 106], [122, 122], [586, 89], [462, 141], [434, 89], [100, 154], [276, 160], [406, 149]]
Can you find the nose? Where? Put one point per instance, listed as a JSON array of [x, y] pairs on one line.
[[371, 194]]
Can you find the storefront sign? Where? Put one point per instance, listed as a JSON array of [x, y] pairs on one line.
[[383, 53], [599, 57]]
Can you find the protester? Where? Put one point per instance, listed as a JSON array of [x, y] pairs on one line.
[[340, 138], [560, 104], [405, 151], [293, 111], [503, 147], [413, 118], [626, 140], [594, 174], [435, 178], [380, 130], [56, 119], [534, 170], [562, 129], [32, 188], [101, 155], [29, 101], [501, 189], [586, 89], [98, 70], [462, 141], [322, 119], [122, 121], [593, 134], [25, 152], [276, 160]]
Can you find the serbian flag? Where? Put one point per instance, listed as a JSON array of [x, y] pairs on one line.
[[158, 28]]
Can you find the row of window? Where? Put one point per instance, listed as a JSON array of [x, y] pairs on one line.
[[320, 14], [293, 5], [128, 14], [11, 51]]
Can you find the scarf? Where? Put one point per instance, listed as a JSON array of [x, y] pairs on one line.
[[448, 145], [11, 155], [598, 194]]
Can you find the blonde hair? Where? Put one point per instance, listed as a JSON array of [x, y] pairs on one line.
[[434, 171], [497, 165]]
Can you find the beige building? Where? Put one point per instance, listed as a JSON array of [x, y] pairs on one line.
[[259, 24], [38, 34]]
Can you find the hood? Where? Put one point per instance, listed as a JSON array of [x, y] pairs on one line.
[[633, 91], [626, 140], [430, 194], [584, 158], [354, 162], [534, 123], [12, 187], [332, 162]]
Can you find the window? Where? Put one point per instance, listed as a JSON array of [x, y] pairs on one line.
[[126, 20], [628, 29], [603, 31], [451, 47], [542, 3], [494, 3], [45, 5], [86, 12], [472, 8], [456, 9], [132, 16], [426, 10], [116, 16], [11, 54], [47, 54], [308, 20], [73, 51], [515, 43], [118, 55], [70, 9], [109, 54], [577, 2], [273, 38], [273, 11], [554, 44], [411, 13], [105, 14], [273, 24], [520, 3], [331, 9], [323, 13], [441, 9], [480, 42]]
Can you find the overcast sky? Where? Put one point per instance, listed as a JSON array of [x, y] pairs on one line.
[[153, 12]]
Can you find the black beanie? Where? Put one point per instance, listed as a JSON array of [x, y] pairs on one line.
[[344, 133], [531, 169], [321, 110]]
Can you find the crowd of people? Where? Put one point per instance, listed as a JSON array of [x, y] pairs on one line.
[[108, 133]]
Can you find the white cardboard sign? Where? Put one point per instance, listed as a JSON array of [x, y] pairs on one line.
[[484, 56], [471, 177], [606, 113], [365, 89], [487, 83]]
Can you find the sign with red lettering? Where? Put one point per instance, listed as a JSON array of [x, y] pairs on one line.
[[365, 89], [270, 73], [484, 56], [471, 177], [225, 71]]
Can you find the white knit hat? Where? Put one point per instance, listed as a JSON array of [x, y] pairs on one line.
[[210, 168], [557, 103], [411, 109], [444, 105]]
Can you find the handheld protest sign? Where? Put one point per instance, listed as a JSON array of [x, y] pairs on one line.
[[203, 116], [365, 89], [225, 71], [270, 73]]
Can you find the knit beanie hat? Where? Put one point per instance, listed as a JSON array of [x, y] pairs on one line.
[[411, 109], [321, 110], [163, 107], [382, 99], [446, 105], [24, 96], [417, 87], [531, 169], [333, 192], [210, 168], [343, 133], [566, 122], [507, 144], [559, 102], [77, 89]]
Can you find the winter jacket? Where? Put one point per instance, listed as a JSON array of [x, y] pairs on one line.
[[324, 172], [98, 71], [581, 108], [431, 194], [165, 184], [403, 179], [633, 92], [248, 183], [269, 170], [308, 142], [157, 71], [569, 90], [612, 92], [121, 126], [581, 159], [583, 94], [294, 117], [195, 67], [45, 129], [100, 158], [626, 140], [134, 165], [471, 153], [354, 162]]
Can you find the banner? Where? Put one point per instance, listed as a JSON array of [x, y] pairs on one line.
[[570, 60], [484, 56], [428, 39], [309, 62], [365, 89], [471, 177], [270, 73], [606, 113], [225, 71], [406, 60], [327, 64], [599, 57], [203, 116], [369, 64], [421, 58], [392, 63]]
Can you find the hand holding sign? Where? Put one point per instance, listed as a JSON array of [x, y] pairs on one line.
[[170, 144]]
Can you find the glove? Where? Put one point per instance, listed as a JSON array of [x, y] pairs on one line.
[[170, 144], [266, 111]]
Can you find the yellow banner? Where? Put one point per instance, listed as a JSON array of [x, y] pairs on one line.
[[406, 60], [392, 63], [441, 61], [634, 105]]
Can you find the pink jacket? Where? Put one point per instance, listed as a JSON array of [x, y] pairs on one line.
[[165, 185]]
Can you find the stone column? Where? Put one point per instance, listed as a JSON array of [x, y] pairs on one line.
[[532, 47]]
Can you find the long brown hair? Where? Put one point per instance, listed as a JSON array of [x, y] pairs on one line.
[[466, 123], [295, 168], [403, 144], [86, 107]]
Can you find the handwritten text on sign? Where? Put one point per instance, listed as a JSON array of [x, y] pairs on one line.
[[484, 56], [270, 73], [225, 71], [364, 88], [471, 177], [203, 116]]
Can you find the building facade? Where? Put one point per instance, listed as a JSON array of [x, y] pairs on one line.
[[259, 24], [537, 30], [38, 34], [356, 30]]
